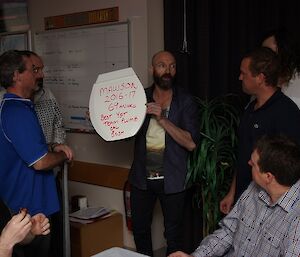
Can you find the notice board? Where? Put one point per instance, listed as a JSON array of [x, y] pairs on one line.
[[74, 58], [19, 41]]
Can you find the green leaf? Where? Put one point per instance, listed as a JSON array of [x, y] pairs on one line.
[[211, 164]]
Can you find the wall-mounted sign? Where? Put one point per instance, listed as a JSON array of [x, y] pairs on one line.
[[13, 16], [18, 41], [82, 18], [117, 105]]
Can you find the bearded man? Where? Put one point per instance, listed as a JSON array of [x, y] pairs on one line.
[[170, 131]]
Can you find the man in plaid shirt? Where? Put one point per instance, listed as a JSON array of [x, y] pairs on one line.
[[265, 221]]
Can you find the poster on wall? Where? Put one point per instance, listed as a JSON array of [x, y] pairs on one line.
[[18, 41], [14, 16]]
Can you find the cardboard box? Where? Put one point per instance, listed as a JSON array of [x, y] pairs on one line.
[[92, 238]]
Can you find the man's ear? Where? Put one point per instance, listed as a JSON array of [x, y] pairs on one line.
[[269, 177], [16, 76], [151, 70], [261, 78]]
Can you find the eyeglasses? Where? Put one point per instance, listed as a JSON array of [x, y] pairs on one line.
[[36, 69]]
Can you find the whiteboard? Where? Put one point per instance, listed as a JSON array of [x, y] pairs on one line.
[[73, 59]]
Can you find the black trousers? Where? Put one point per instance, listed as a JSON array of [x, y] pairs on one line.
[[52, 244], [56, 244], [142, 205]]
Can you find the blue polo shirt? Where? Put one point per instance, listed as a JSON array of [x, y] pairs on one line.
[[22, 144]]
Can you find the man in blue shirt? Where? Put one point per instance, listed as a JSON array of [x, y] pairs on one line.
[[26, 178], [266, 219]]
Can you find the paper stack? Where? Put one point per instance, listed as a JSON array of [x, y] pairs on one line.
[[89, 214]]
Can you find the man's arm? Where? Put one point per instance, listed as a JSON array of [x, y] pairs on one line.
[[183, 136], [227, 201], [179, 254], [60, 154], [291, 243], [218, 243]]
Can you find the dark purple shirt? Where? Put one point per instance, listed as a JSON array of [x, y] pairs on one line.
[[183, 114]]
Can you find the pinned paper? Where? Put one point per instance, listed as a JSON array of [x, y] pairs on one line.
[[117, 104]]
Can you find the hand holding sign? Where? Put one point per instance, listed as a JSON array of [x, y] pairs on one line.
[[117, 105]]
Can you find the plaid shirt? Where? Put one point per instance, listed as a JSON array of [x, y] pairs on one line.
[[256, 227], [50, 117]]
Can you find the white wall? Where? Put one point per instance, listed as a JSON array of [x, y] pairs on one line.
[[146, 18]]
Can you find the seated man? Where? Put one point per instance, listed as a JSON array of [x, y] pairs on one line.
[[265, 221]]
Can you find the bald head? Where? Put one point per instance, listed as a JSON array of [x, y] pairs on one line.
[[162, 55], [164, 70]]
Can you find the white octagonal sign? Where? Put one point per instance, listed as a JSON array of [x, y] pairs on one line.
[[117, 104]]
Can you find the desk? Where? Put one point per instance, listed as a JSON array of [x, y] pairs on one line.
[[92, 238], [118, 252]]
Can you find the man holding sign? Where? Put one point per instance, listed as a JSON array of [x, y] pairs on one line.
[[170, 131]]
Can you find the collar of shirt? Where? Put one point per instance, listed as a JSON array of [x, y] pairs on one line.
[[277, 94], [10, 96], [39, 94], [287, 200]]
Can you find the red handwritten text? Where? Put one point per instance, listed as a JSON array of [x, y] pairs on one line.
[[116, 88], [116, 106]]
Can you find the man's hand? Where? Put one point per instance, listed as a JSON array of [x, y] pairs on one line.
[[15, 230], [58, 154], [40, 225], [179, 254], [155, 109], [64, 148], [226, 203]]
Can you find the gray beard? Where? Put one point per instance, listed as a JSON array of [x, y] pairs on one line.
[[164, 84]]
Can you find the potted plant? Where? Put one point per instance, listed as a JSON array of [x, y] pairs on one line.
[[211, 165]]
